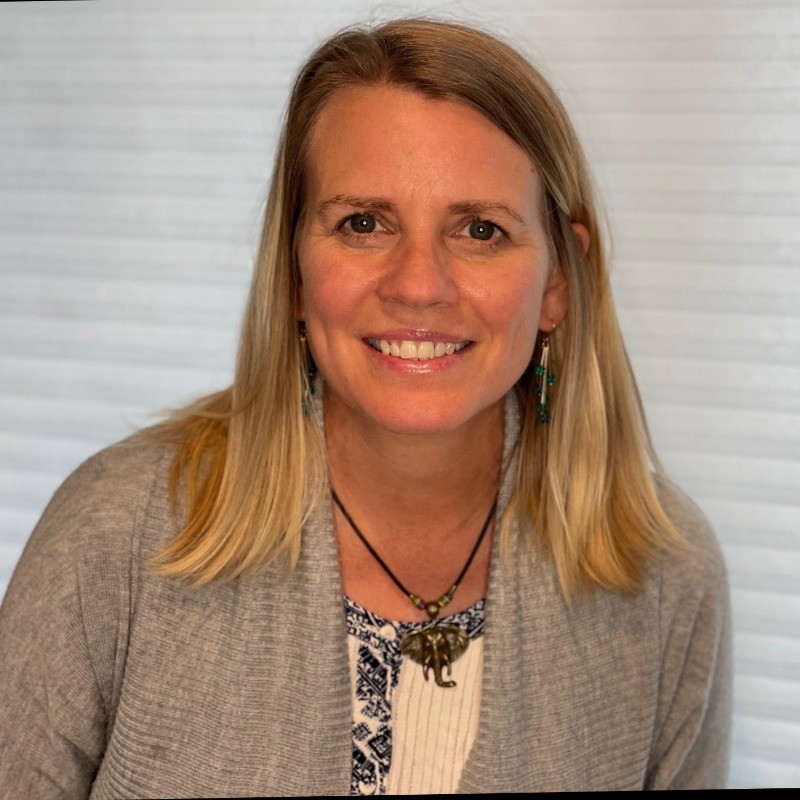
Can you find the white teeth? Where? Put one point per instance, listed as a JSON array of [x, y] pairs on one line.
[[425, 350], [417, 351], [408, 349]]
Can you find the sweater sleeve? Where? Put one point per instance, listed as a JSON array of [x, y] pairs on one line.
[[692, 733], [64, 627]]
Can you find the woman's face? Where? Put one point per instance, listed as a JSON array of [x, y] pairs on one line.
[[423, 258]]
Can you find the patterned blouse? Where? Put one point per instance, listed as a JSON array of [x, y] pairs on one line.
[[410, 736]]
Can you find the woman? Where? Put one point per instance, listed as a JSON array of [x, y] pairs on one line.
[[433, 417]]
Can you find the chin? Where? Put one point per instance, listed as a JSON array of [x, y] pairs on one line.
[[420, 417]]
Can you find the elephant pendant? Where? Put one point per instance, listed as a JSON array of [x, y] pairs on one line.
[[436, 648]]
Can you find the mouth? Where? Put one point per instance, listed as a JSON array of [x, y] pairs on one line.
[[416, 351]]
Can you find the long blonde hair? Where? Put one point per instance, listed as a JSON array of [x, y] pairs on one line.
[[252, 464]]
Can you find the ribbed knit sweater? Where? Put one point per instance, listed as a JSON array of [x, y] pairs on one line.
[[116, 683]]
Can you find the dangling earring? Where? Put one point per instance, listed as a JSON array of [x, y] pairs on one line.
[[544, 378], [309, 367]]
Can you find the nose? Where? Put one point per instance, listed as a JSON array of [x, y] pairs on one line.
[[418, 275]]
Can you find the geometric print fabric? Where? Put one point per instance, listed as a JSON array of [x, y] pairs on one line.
[[375, 673]]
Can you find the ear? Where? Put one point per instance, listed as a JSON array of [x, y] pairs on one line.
[[582, 232], [555, 300]]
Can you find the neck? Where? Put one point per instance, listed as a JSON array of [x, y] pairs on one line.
[[402, 482]]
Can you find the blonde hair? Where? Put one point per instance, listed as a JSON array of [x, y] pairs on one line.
[[253, 464]]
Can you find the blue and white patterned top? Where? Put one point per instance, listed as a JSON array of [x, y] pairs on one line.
[[375, 648]]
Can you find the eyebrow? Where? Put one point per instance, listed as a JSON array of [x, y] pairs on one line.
[[476, 207], [378, 203]]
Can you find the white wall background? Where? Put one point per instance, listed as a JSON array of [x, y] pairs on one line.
[[135, 146]]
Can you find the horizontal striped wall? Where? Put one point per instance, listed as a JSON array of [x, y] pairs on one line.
[[135, 147]]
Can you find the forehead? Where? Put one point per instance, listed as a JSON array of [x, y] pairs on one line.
[[387, 140]]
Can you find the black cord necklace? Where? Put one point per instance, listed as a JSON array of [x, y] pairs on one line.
[[432, 607], [435, 647]]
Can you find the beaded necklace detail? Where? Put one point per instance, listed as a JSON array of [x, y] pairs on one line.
[[437, 646]]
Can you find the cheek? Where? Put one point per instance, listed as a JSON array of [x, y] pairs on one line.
[[316, 288], [331, 293], [517, 306]]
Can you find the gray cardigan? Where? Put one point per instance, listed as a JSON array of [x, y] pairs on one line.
[[116, 683]]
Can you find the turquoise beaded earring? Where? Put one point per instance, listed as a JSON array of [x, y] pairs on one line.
[[544, 378]]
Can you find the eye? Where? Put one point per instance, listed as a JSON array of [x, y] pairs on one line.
[[360, 223], [483, 230]]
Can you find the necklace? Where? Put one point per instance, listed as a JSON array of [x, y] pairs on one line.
[[435, 647]]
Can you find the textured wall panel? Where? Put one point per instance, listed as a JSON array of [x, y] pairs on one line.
[[136, 141]]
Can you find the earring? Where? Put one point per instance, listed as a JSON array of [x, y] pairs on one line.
[[310, 368], [544, 378]]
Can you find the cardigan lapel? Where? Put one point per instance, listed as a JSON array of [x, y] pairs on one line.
[[566, 691], [328, 717]]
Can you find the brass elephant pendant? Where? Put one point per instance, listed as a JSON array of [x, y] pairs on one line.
[[436, 648]]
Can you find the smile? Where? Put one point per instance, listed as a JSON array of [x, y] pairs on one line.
[[416, 351]]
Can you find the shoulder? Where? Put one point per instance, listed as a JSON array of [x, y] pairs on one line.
[[87, 551], [696, 567], [686, 515], [65, 617], [115, 477], [692, 726], [691, 580], [88, 539], [103, 502]]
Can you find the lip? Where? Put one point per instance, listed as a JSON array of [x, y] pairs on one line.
[[418, 335], [406, 366], [411, 365]]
